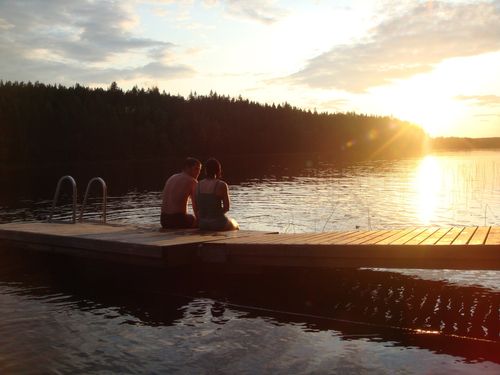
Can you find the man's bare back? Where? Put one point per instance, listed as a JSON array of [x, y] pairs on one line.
[[176, 193], [178, 189]]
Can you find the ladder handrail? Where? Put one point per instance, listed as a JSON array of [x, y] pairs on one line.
[[56, 195], [104, 197]]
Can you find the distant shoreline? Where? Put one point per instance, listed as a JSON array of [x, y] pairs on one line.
[[463, 143], [299, 159]]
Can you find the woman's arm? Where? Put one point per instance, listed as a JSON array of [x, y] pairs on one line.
[[224, 194], [194, 203]]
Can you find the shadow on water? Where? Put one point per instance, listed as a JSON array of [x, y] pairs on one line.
[[384, 307]]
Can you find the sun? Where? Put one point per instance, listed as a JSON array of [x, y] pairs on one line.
[[437, 115], [426, 101]]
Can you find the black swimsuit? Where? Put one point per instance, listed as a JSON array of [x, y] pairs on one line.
[[211, 215], [178, 220]]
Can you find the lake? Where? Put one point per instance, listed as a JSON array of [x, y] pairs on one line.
[[61, 315]]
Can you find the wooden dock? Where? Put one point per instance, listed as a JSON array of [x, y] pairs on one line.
[[435, 248]]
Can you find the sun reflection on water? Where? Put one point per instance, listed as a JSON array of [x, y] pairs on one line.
[[428, 186]]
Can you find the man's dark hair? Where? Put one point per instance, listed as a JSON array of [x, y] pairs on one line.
[[213, 168], [191, 162]]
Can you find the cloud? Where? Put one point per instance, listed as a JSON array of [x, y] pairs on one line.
[[72, 40], [262, 11], [4, 25], [481, 100], [408, 42], [490, 103], [333, 104], [58, 72]]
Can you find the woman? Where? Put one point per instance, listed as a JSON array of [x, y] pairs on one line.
[[212, 200]]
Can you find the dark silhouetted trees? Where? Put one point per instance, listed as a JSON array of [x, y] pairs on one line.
[[45, 123]]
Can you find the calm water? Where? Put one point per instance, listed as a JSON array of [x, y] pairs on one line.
[[61, 315]]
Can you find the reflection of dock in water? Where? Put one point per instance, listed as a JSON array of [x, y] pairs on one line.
[[374, 299], [396, 300], [388, 307], [434, 248]]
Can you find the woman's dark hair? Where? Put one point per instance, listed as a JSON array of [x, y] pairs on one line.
[[213, 168]]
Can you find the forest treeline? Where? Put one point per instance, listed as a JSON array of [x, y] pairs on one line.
[[42, 123]]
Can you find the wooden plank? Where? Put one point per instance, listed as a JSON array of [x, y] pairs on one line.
[[449, 237], [122, 234], [309, 238], [64, 229], [422, 236], [328, 236], [398, 234], [480, 235], [74, 243], [319, 237], [373, 234], [127, 236], [263, 239], [407, 237], [201, 237], [155, 237], [349, 236], [493, 236], [435, 237], [365, 236], [334, 236], [257, 239], [382, 237], [299, 238], [464, 237]]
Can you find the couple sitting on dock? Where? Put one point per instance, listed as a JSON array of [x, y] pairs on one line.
[[209, 198]]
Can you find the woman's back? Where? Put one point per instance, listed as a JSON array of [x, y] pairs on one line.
[[208, 201], [212, 200]]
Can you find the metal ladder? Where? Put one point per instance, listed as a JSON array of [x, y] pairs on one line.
[[75, 195], [104, 197]]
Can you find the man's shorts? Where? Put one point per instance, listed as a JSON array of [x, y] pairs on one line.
[[178, 220]]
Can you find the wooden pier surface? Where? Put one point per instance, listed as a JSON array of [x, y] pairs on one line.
[[418, 247]]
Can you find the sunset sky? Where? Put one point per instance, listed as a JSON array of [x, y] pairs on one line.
[[435, 63]]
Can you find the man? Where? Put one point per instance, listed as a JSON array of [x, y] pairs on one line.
[[176, 192]]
